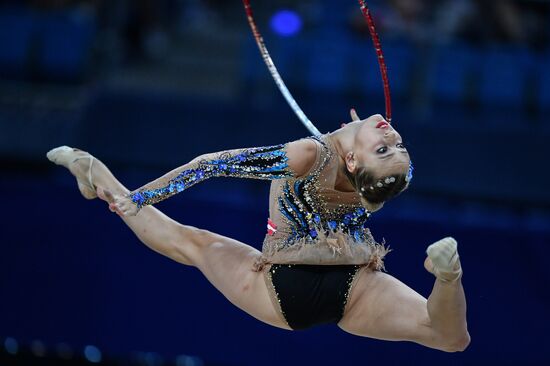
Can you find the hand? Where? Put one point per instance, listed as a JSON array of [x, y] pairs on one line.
[[122, 205], [354, 115]]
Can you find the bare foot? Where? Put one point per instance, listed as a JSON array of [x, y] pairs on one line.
[[80, 164]]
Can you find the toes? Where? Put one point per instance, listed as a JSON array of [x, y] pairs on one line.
[[449, 242], [446, 245], [54, 155], [443, 253]]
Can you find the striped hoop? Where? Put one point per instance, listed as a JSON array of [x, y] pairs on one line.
[[281, 85]]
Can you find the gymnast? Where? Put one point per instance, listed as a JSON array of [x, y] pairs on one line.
[[319, 262]]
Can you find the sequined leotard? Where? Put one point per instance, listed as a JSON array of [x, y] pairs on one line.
[[315, 224], [310, 222], [316, 241]]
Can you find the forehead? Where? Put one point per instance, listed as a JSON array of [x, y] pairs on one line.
[[395, 162]]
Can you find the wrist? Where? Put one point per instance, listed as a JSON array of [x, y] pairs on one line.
[[137, 198]]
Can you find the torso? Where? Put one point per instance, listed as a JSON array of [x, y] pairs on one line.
[[314, 222]]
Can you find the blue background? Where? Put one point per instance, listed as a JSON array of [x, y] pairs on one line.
[[147, 87]]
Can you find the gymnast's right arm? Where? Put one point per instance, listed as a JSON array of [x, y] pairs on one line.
[[293, 159]]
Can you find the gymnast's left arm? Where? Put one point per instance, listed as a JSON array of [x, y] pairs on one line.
[[272, 162]]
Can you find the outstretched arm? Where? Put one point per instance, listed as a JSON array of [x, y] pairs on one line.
[[272, 162]]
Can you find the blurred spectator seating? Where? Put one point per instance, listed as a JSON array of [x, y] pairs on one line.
[[543, 78], [328, 63], [16, 37], [49, 45], [454, 65], [504, 72], [66, 40], [399, 57]]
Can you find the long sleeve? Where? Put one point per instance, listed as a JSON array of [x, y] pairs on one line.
[[260, 163]]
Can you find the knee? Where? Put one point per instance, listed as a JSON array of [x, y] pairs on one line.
[[455, 344]]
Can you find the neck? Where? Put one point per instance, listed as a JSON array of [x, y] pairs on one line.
[[343, 141]]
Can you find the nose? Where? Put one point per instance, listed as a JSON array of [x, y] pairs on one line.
[[390, 136]]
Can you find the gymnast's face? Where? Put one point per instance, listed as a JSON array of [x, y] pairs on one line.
[[379, 147]]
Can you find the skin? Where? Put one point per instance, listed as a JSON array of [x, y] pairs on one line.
[[362, 144], [380, 306]]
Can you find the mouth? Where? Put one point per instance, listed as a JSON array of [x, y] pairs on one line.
[[382, 124]]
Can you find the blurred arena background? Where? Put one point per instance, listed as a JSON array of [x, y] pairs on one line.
[[146, 85]]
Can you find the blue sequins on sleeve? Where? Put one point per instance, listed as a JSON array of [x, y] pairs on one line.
[[260, 163]]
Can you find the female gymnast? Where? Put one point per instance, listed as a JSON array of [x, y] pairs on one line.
[[319, 264]]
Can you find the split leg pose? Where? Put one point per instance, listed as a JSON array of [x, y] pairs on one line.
[[382, 307], [224, 262], [379, 305]]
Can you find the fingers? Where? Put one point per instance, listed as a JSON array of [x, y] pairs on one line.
[[113, 208], [109, 196], [353, 114], [125, 207], [118, 206]]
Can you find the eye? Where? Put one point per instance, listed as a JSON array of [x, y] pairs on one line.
[[382, 150], [401, 146]]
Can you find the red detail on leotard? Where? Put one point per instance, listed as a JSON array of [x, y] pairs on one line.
[[271, 227]]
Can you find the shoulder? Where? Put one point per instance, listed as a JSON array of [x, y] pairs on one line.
[[302, 155], [306, 147]]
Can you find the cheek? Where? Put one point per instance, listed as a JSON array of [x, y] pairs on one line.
[[366, 139], [367, 161]]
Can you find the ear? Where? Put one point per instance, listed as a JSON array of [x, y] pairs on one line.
[[351, 163]]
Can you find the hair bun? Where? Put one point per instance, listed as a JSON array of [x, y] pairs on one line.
[[372, 207]]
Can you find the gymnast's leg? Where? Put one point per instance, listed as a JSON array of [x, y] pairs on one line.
[[383, 307], [225, 262]]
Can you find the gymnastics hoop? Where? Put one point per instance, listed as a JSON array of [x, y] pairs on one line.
[[281, 84], [275, 74], [380, 57]]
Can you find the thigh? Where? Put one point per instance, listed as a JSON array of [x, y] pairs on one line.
[[383, 307], [227, 264]]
